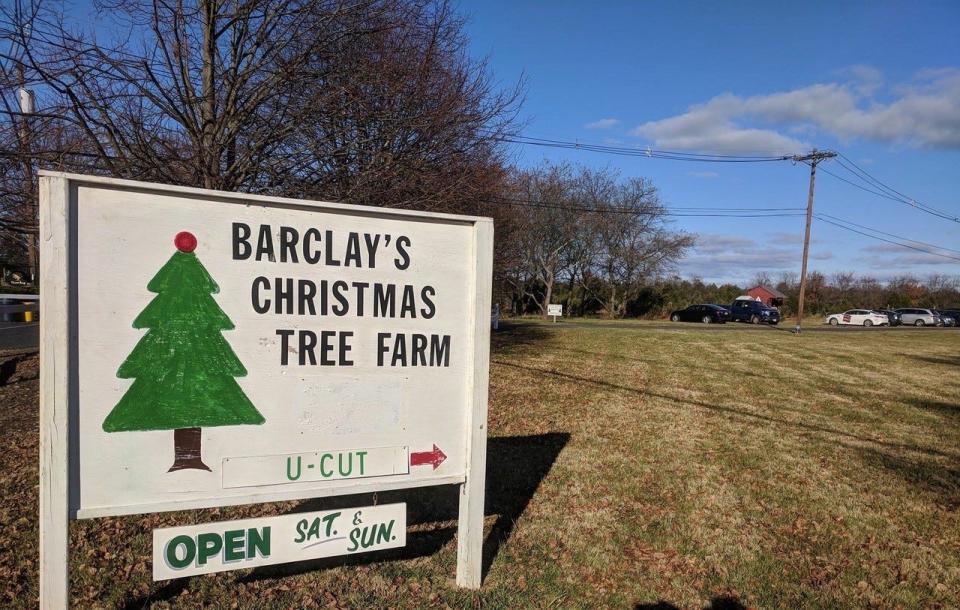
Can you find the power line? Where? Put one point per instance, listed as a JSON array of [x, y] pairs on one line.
[[640, 152], [681, 212], [889, 241], [865, 174], [915, 241]]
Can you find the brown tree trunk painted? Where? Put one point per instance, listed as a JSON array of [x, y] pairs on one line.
[[186, 450]]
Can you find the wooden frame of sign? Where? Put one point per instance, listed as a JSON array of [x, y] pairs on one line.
[[101, 242]]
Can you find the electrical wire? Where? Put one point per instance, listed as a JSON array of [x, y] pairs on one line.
[[637, 152], [915, 241], [676, 212], [883, 239]]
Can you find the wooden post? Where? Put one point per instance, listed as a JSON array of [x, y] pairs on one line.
[[54, 392], [470, 524]]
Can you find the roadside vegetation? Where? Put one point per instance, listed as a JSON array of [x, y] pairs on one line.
[[629, 466]]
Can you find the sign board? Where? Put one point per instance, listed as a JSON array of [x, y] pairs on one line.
[[555, 310], [250, 543], [202, 348]]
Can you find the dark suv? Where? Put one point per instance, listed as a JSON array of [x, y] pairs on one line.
[[755, 312]]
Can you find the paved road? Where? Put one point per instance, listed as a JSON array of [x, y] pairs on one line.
[[19, 335]]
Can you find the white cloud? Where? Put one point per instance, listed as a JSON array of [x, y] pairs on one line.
[[923, 113], [603, 124]]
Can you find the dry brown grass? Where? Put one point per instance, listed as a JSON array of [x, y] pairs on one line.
[[630, 465]]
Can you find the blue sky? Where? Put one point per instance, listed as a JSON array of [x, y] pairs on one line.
[[878, 81]]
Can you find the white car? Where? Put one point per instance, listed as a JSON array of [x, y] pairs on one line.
[[857, 317]]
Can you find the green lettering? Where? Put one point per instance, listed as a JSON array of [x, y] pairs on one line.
[[384, 532], [349, 464], [323, 471], [329, 521], [361, 454], [301, 534], [314, 530], [354, 533], [208, 545], [258, 542], [189, 552], [233, 545]]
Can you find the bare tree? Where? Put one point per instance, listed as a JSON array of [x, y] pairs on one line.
[[633, 243], [549, 225], [368, 101]]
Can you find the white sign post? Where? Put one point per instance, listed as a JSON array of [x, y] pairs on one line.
[[202, 349], [555, 310]]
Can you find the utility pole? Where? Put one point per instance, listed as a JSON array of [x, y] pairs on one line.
[[811, 159]]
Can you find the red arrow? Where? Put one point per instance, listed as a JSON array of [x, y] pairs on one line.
[[423, 458]]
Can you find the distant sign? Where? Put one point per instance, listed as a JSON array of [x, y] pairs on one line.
[[249, 543], [206, 349], [555, 310]]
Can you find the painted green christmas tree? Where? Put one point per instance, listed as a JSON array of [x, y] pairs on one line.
[[183, 368]]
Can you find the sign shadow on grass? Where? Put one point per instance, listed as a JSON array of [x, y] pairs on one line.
[[515, 467], [717, 603]]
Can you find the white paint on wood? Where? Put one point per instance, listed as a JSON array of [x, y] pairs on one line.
[[109, 238], [126, 235], [250, 543], [470, 526], [330, 465], [55, 363]]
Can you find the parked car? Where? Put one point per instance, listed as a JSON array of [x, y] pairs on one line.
[[893, 317], [951, 313], [755, 312], [919, 317], [708, 314], [857, 317], [945, 318]]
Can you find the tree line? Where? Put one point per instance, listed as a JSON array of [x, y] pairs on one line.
[[826, 294]]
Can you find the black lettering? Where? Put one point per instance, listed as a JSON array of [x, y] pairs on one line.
[[283, 293], [353, 251], [403, 261], [323, 297], [338, 288], [310, 254], [344, 348], [308, 341], [419, 351], [384, 300], [409, 306], [265, 244], [399, 351], [307, 290], [430, 310], [361, 287], [371, 249], [284, 345], [288, 244], [332, 262], [326, 347], [381, 347], [259, 306], [439, 350], [241, 245]]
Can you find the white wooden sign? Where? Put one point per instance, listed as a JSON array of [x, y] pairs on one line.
[[202, 348], [555, 310], [249, 543]]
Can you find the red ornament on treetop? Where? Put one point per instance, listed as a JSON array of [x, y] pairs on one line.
[[185, 241]]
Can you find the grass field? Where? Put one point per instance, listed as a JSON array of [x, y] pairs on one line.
[[630, 467]]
